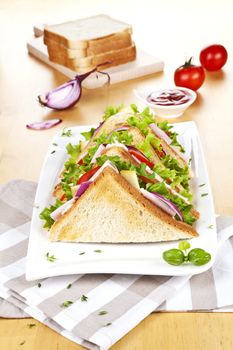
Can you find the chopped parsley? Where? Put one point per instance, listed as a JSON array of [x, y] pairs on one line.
[[50, 258], [98, 251], [69, 286], [82, 253], [103, 312], [31, 325], [210, 226], [204, 194], [67, 303], [53, 152], [84, 298], [23, 342], [202, 185], [39, 285], [107, 324], [66, 132]]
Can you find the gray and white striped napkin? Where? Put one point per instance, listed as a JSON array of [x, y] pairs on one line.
[[102, 308]]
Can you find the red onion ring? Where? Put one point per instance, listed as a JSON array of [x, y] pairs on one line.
[[163, 203], [82, 188], [44, 124]]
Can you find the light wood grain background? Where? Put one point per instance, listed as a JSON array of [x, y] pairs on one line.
[[171, 30]]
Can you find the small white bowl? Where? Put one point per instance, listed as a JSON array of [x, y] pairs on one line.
[[167, 112]]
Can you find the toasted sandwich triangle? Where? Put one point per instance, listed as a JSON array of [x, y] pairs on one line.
[[113, 211]]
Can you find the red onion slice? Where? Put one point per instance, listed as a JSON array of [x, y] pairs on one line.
[[97, 129], [82, 188], [68, 94], [163, 203], [122, 128], [65, 96], [43, 125], [160, 133]]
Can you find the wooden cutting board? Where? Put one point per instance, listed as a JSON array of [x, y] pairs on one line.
[[143, 65]]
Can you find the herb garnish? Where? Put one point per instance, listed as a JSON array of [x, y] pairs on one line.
[[23, 342], [103, 312], [204, 194], [84, 298], [50, 258], [31, 325], [98, 251], [196, 256], [67, 303], [210, 226], [66, 132], [53, 152], [69, 286], [201, 185], [107, 324], [39, 285], [82, 253]]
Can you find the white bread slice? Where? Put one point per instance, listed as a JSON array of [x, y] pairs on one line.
[[111, 58], [94, 60], [113, 211], [119, 43], [87, 32]]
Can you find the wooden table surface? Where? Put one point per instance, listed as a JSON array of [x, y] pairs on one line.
[[171, 30]]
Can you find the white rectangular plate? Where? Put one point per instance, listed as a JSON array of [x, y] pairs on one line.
[[131, 258]]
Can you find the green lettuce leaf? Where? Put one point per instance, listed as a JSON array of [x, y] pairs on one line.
[[45, 214], [88, 134], [110, 110]]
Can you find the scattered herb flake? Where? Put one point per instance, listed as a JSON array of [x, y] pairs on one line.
[[107, 324], [31, 325], [84, 298], [201, 185], [98, 251], [23, 342], [54, 144], [66, 132], [39, 285], [82, 253], [210, 226], [67, 303], [204, 194], [50, 258], [69, 286], [103, 312], [53, 152]]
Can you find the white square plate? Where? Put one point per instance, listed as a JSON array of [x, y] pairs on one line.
[[131, 258]]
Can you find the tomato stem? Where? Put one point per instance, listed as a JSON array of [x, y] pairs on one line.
[[188, 63]]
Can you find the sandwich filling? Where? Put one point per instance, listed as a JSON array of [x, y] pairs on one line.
[[146, 153]]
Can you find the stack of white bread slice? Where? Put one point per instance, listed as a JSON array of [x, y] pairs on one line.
[[83, 44], [129, 182]]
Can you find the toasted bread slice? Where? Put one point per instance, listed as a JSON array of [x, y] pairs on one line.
[[113, 211], [54, 48], [86, 32]]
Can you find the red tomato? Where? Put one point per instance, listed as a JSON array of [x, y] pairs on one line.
[[141, 158], [213, 57], [189, 76], [85, 177]]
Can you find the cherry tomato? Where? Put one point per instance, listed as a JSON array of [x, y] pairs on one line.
[[85, 177], [189, 76], [213, 57], [141, 158]]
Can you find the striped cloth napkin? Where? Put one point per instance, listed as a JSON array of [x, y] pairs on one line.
[[99, 309]]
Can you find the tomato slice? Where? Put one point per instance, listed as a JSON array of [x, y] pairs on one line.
[[141, 158], [146, 179], [85, 177]]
